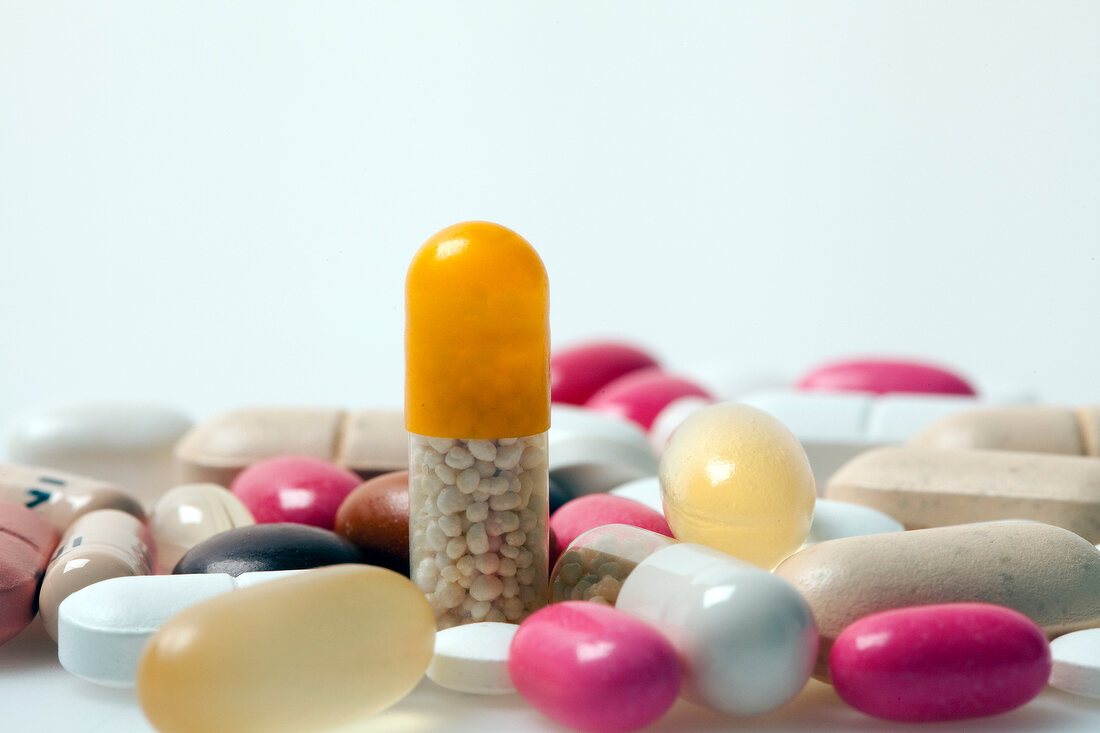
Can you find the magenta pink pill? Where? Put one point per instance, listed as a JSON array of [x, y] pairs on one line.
[[593, 667], [881, 376], [640, 396], [942, 662], [297, 489], [577, 516], [576, 373]]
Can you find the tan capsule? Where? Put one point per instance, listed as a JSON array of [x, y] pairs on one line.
[[102, 544], [1049, 574], [191, 513], [1034, 428], [369, 442], [922, 487], [305, 653], [62, 497]]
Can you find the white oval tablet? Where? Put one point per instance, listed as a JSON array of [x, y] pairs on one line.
[[103, 628], [473, 658], [836, 519], [128, 445], [1076, 658], [591, 453]]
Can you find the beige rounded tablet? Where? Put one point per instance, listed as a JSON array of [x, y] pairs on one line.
[[923, 487], [191, 513], [473, 658], [373, 442], [1049, 574], [1033, 428], [220, 448]]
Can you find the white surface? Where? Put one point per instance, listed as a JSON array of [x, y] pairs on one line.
[[1076, 662], [37, 694]]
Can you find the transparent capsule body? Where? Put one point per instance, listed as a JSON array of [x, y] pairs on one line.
[[478, 512], [595, 564]]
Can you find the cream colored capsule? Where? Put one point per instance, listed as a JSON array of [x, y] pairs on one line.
[[305, 653], [99, 545], [1047, 573], [369, 442], [1035, 428], [923, 487], [62, 497]]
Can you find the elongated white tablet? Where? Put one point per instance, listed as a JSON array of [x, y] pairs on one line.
[[125, 444], [592, 453], [1076, 658], [102, 628], [473, 658]]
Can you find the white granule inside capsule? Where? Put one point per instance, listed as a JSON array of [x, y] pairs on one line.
[[478, 527]]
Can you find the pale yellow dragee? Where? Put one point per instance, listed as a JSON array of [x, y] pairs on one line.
[[736, 479], [1049, 574], [369, 442], [923, 487], [306, 653], [1035, 428]]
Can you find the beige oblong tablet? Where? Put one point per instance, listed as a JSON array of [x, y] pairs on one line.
[[923, 487], [220, 448], [1033, 428], [1049, 574], [369, 442], [373, 442]]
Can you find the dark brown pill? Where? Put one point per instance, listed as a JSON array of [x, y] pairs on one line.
[[375, 517]]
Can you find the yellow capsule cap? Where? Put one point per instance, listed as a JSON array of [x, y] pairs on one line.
[[477, 336]]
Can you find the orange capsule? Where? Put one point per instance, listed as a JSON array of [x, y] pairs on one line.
[[477, 407]]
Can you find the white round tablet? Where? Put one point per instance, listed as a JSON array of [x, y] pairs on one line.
[[473, 658], [1076, 658]]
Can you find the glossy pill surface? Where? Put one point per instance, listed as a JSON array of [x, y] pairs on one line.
[[587, 512], [736, 479], [940, 662], [99, 545], [189, 514], [640, 396], [746, 638], [26, 542], [881, 376], [926, 487], [299, 489], [375, 518], [594, 668], [297, 654], [260, 547], [578, 372], [1049, 574]]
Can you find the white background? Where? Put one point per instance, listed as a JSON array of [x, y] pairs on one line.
[[212, 204]]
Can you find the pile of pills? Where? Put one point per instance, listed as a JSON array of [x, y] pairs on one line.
[[926, 586]]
